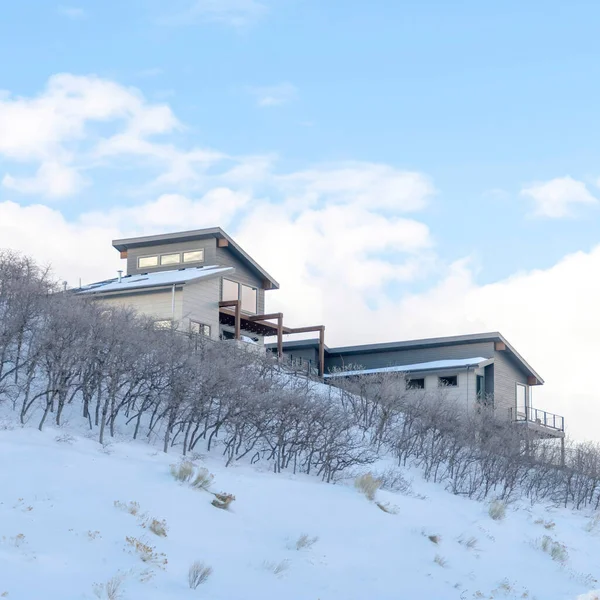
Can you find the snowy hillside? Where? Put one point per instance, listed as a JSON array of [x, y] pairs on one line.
[[64, 525]]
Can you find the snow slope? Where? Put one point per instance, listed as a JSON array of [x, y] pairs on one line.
[[60, 533]]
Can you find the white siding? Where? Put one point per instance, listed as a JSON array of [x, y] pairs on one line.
[[464, 394], [155, 304]]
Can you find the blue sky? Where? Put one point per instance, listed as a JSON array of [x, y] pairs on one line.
[[484, 99], [404, 169]]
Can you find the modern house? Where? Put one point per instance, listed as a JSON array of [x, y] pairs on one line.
[[200, 282], [472, 369]]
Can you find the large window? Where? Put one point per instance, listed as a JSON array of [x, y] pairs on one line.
[[193, 256], [170, 259], [249, 299], [147, 261], [199, 328], [231, 290]]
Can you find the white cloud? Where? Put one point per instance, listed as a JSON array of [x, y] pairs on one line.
[[72, 12], [558, 197], [235, 13], [274, 95], [52, 179]]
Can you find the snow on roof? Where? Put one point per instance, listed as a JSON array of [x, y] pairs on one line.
[[436, 365], [145, 280]]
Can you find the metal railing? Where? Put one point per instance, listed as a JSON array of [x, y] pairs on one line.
[[539, 417]]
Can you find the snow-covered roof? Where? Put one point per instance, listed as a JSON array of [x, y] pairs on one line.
[[435, 365], [146, 280]]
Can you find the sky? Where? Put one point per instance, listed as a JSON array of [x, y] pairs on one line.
[[404, 169]]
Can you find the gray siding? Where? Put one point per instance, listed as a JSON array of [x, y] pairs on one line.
[[507, 373], [373, 360], [209, 246], [243, 274], [201, 303]]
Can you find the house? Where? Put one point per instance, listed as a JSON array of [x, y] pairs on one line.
[[201, 282], [473, 369]]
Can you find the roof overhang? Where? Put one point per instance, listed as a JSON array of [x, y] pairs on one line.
[[193, 235]]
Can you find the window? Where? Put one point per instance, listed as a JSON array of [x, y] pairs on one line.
[[193, 256], [249, 298], [231, 290], [199, 328], [170, 259], [415, 384], [448, 381], [163, 324], [147, 261]]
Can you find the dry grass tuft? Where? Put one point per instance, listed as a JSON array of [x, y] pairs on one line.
[[146, 553], [111, 590], [198, 574], [277, 568], [555, 549], [223, 500], [368, 485], [304, 541], [158, 528], [133, 508], [497, 510], [470, 542], [202, 480], [440, 560], [387, 508], [183, 472]]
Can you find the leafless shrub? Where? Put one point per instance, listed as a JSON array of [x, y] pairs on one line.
[[111, 590], [65, 438], [198, 574], [306, 542], [393, 480], [368, 485], [497, 510]]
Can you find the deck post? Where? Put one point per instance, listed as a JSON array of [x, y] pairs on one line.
[[322, 351], [280, 336], [238, 320]]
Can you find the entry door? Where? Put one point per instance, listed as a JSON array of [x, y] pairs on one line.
[[521, 401]]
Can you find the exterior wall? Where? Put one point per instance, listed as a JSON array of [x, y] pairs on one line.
[[387, 358], [156, 304], [201, 303], [507, 374], [243, 274], [209, 245]]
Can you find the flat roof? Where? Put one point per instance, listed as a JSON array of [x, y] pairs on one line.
[[192, 235]]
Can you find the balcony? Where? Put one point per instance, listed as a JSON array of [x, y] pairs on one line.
[[545, 423]]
